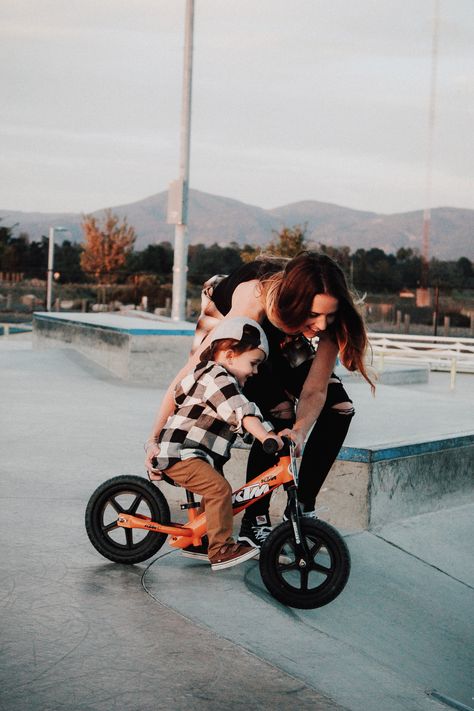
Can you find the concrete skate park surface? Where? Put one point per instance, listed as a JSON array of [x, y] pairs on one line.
[[79, 632]]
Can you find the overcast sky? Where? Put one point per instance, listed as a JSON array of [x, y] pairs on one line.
[[292, 100]]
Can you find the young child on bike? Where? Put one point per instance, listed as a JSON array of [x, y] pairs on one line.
[[210, 410]]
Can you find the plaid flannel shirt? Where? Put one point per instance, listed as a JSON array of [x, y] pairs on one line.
[[209, 411]]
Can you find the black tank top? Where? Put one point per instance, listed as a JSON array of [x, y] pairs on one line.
[[224, 291]]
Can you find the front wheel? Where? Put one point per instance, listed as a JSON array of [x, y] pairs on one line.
[[132, 495], [325, 574]]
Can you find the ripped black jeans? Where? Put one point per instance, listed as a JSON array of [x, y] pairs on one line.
[[322, 446]]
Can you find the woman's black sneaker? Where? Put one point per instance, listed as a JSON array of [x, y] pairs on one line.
[[253, 533], [197, 552]]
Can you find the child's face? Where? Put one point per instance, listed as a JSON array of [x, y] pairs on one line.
[[244, 365]]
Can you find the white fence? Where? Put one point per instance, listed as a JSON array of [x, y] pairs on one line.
[[455, 355]]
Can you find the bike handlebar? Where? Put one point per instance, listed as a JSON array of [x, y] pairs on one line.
[[270, 446]]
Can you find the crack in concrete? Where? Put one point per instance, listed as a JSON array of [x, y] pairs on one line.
[[417, 557]]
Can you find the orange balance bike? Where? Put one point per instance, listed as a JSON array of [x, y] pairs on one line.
[[304, 562]]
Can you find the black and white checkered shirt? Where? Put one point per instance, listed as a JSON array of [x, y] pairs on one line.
[[208, 416]]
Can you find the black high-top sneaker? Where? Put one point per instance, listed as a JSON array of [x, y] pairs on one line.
[[255, 531], [197, 552]]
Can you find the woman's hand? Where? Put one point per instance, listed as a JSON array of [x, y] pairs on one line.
[[297, 437], [283, 411]]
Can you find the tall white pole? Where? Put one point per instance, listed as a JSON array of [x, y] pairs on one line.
[[49, 288], [180, 266], [429, 148]]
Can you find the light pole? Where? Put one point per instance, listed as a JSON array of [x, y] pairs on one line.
[[49, 288], [178, 195]]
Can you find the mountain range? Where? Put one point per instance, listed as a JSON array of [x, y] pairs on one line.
[[222, 220]]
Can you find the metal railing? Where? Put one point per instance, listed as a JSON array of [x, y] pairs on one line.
[[455, 355]]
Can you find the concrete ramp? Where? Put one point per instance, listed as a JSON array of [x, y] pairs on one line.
[[402, 627]]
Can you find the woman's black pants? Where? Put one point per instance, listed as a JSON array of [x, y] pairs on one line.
[[322, 446]]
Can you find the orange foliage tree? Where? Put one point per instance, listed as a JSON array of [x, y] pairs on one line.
[[106, 247], [289, 242]]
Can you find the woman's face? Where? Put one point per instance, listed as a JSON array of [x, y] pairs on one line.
[[323, 313]]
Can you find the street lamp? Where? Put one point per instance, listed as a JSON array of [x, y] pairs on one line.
[[49, 288]]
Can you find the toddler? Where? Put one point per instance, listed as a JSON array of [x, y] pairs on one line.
[[210, 410]]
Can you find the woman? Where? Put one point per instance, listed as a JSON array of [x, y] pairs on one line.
[[295, 301]]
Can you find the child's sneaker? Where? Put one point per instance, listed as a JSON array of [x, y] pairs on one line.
[[254, 532], [232, 554]]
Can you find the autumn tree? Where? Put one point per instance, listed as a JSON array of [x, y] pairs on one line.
[[248, 253], [106, 247], [289, 242]]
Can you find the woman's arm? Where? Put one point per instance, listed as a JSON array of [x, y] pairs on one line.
[[313, 394]]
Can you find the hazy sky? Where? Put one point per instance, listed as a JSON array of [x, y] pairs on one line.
[[292, 100]]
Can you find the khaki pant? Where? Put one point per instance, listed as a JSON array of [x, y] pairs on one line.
[[198, 476]]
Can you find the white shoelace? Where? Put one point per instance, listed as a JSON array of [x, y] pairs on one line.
[[261, 533]]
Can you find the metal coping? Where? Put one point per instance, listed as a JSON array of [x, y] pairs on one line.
[[380, 453], [452, 703]]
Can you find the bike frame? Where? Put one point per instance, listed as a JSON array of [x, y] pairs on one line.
[[282, 473]]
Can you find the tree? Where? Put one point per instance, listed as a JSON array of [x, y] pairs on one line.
[[36, 262], [106, 247], [6, 234], [289, 242], [249, 253], [341, 255], [154, 259], [67, 261], [204, 262], [409, 266], [13, 250], [464, 268]]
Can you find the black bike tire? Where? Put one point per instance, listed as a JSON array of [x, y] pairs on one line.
[[106, 546], [271, 568]]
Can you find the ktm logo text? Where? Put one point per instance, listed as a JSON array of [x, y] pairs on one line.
[[250, 492]]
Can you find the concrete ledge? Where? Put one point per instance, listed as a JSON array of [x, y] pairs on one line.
[[131, 348], [401, 374], [367, 488], [404, 375]]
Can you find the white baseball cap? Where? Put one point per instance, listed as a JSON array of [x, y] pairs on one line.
[[242, 329]]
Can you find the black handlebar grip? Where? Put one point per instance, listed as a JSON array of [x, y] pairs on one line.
[[270, 446]]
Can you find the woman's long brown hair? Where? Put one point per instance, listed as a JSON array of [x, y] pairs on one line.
[[290, 294]]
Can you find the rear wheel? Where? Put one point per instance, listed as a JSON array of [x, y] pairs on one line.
[[131, 495], [322, 578]]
